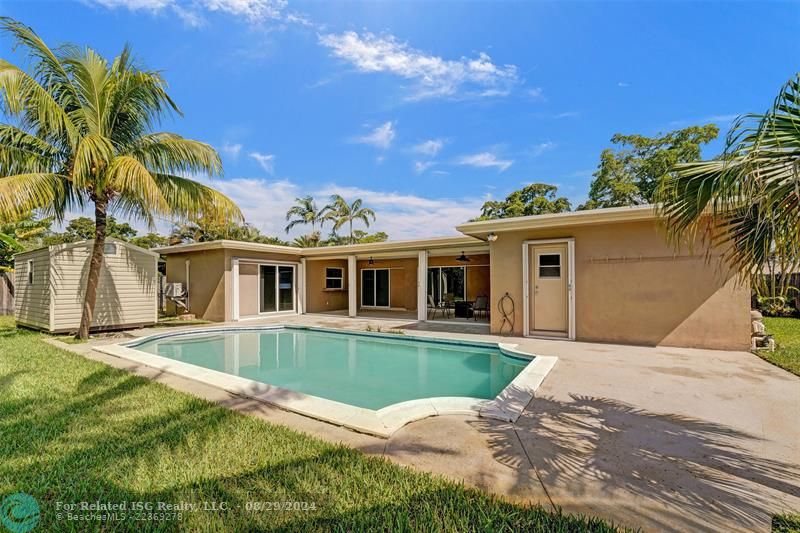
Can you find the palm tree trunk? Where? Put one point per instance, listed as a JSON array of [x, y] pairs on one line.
[[351, 231], [96, 262]]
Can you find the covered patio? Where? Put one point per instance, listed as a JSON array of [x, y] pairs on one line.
[[444, 281]]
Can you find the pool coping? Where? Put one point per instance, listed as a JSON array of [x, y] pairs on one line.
[[506, 406]]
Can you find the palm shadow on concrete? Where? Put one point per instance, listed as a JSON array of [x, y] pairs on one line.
[[658, 469]]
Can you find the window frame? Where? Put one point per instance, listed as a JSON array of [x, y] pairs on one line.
[[340, 278], [540, 266], [30, 271]]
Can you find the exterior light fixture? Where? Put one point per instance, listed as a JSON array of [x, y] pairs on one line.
[[491, 237], [371, 261]]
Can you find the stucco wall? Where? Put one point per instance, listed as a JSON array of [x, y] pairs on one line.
[[654, 296], [206, 281], [402, 281], [318, 299]]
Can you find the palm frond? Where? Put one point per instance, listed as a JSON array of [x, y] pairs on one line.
[[187, 198], [22, 193], [168, 153]]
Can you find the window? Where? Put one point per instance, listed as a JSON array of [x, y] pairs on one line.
[[276, 288], [550, 266], [110, 248], [334, 278], [375, 287], [30, 271], [447, 284]]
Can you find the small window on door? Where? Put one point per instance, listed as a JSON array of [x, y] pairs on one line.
[[550, 266], [334, 278], [30, 272]]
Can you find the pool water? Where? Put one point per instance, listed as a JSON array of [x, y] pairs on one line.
[[362, 370]]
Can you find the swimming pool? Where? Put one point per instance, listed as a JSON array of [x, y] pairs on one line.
[[370, 382], [366, 371]]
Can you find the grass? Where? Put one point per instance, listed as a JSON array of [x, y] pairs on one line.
[[787, 339], [74, 430], [786, 523]]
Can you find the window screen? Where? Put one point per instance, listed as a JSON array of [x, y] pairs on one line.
[[550, 266]]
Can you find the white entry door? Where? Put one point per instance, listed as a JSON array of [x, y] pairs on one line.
[[549, 298]]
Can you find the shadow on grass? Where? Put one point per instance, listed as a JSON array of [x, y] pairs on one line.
[[74, 430], [705, 473]]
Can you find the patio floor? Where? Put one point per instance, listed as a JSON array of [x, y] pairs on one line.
[[658, 438]]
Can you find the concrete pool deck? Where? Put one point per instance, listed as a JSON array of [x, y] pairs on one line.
[[657, 438]]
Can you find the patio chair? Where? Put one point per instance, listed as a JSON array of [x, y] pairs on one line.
[[449, 303], [432, 308], [481, 306]]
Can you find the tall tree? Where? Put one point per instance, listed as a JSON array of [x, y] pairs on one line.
[[82, 135], [83, 228], [631, 174], [305, 212], [341, 213], [205, 229], [20, 235], [747, 200], [533, 199]]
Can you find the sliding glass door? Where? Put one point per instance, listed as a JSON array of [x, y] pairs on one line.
[[276, 288], [447, 284], [375, 287]]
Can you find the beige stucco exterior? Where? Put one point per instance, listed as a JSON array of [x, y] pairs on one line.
[[630, 285]]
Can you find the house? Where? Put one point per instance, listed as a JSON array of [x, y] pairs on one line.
[[604, 275], [50, 284]]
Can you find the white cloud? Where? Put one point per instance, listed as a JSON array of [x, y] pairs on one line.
[[567, 114], [254, 11], [232, 150], [431, 147], [422, 166], [434, 76], [485, 160], [623, 84], [536, 94], [267, 161], [541, 148], [381, 137], [403, 216], [407, 216], [135, 5]]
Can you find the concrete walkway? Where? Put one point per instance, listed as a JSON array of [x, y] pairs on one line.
[[657, 438]]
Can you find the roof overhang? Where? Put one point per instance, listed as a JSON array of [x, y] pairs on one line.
[[481, 229], [377, 249], [229, 245]]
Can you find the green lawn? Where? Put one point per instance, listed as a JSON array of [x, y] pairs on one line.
[[787, 338], [786, 523], [75, 430]]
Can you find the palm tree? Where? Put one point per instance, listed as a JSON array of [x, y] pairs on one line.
[[305, 212], [748, 200], [82, 136], [341, 213], [312, 240]]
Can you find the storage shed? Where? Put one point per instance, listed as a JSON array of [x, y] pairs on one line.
[[51, 283]]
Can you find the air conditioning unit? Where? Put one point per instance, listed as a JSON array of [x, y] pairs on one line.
[[174, 290]]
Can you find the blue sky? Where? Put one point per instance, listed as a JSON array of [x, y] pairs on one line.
[[427, 109]]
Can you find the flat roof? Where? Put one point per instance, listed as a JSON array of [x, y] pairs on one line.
[[558, 220], [386, 246], [474, 234]]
